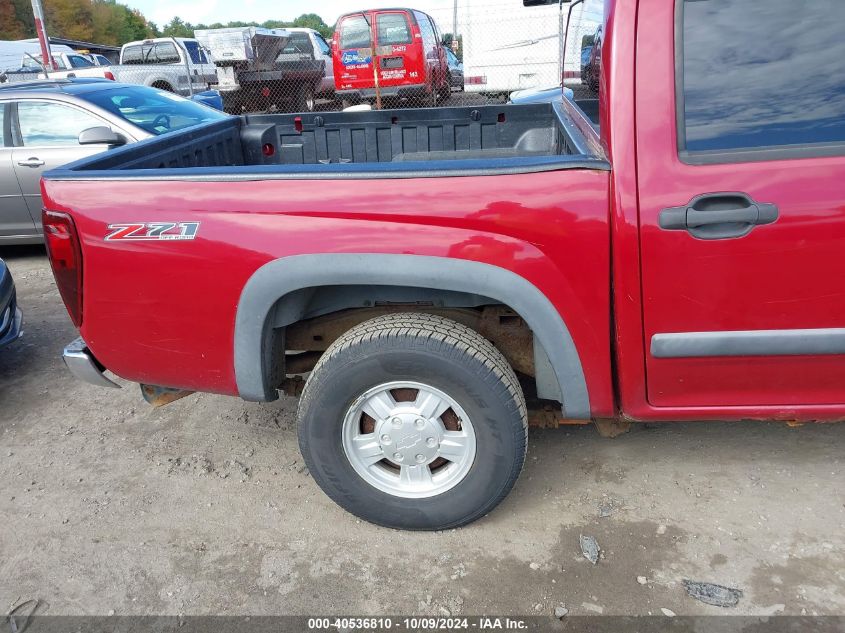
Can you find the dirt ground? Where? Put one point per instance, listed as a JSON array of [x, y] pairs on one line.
[[204, 507]]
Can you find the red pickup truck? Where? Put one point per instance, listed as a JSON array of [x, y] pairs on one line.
[[440, 274]]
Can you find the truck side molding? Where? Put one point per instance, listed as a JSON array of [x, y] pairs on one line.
[[259, 309]]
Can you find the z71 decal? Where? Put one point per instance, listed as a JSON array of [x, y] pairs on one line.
[[153, 231]]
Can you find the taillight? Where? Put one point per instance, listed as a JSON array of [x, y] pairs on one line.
[[109, 75], [66, 260]]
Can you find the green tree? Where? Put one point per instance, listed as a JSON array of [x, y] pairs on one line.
[[135, 26], [99, 21], [177, 27], [10, 27], [24, 17], [313, 21], [274, 24]]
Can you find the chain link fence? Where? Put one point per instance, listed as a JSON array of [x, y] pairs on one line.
[[471, 52], [456, 52]]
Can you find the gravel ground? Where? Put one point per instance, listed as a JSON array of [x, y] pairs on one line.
[[204, 507]]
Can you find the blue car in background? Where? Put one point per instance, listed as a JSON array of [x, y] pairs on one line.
[[210, 98], [540, 95], [10, 315]]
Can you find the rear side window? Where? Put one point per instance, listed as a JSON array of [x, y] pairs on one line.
[[392, 29], [761, 74], [166, 53], [354, 32], [298, 44], [77, 61], [133, 55]]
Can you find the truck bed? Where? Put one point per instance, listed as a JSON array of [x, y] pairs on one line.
[[384, 143]]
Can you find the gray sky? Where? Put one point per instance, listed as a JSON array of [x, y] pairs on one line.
[[206, 11], [210, 11]]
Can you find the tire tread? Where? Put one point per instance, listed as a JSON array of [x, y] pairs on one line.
[[450, 339]]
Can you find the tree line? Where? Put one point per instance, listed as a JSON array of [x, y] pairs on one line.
[[179, 28], [100, 21], [110, 22]]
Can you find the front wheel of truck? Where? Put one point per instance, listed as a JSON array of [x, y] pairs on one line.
[[413, 421]]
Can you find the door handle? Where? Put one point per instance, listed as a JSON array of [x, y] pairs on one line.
[[718, 216], [31, 162]]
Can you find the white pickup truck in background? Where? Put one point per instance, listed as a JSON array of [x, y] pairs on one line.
[[259, 69], [68, 64], [20, 61], [175, 64]]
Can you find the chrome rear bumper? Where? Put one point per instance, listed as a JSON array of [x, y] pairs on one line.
[[84, 366]]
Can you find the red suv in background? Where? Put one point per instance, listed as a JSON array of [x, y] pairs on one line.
[[410, 60]]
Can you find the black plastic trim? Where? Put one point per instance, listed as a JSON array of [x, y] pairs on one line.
[[280, 278], [348, 171], [805, 342]]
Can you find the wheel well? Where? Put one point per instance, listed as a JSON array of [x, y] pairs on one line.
[[306, 322], [162, 85], [285, 290]]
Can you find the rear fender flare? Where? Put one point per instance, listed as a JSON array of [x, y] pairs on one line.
[[280, 277]]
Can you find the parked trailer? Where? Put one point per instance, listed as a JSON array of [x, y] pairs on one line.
[[513, 49], [255, 72]]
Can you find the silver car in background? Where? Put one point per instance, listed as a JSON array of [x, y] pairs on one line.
[[45, 124]]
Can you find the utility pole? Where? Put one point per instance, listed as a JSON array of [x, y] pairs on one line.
[[373, 59], [455, 24], [40, 31]]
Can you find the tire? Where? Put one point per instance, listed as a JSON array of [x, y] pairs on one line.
[[445, 91], [414, 358], [593, 83], [306, 100]]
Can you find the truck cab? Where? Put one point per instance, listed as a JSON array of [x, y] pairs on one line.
[[304, 41], [68, 65], [429, 281]]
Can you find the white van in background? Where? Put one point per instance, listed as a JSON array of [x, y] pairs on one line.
[[514, 48]]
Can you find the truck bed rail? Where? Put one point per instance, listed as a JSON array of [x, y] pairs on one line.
[[378, 144]]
